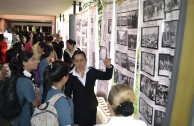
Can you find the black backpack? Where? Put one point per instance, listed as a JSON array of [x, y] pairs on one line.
[[9, 106]]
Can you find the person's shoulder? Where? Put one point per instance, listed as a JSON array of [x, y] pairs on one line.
[[103, 125], [139, 123]]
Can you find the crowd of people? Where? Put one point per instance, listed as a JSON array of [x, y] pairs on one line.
[[44, 70]]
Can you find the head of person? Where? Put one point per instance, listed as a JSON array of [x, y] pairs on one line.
[[47, 52], [79, 60], [23, 39], [120, 100], [26, 61], [70, 44], [1, 37], [18, 46], [35, 39], [40, 47], [56, 75], [11, 53], [42, 37]]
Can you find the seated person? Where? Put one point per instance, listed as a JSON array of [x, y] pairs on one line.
[[120, 104]]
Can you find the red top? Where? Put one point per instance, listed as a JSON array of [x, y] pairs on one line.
[[3, 50]]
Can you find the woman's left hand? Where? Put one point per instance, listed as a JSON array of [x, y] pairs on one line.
[[107, 62]]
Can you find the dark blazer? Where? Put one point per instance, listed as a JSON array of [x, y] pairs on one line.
[[85, 102]]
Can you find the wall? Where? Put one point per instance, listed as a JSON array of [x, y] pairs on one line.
[[185, 83]]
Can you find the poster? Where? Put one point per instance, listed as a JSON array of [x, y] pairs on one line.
[[158, 25], [93, 38], [126, 41], [86, 34], [106, 27]]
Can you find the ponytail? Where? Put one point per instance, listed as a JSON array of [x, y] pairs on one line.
[[47, 82]]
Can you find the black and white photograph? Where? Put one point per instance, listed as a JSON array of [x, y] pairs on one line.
[[85, 23], [153, 10], [78, 40], [131, 64], [158, 118], [92, 31], [148, 87], [78, 25], [148, 63], [123, 58], [117, 58], [109, 26], [125, 79], [131, 82], [169, 34], [150, 37], [121, 21], [161, 95], [122, 37], [165, 65], [84, 40], [116, 75], [146, 110], [119, 78], [132, 19], [93, 59], [103, 52], [92, 20], [132, 42], [171, 5]]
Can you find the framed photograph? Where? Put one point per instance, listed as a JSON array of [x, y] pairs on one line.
[[132, 19], [131, 82], [146, 110], [131, 64], [169, 34], [148, 87], [116, 74], [84, 23], [153, 10], [122, 21], [161, 95], [165, 65], [123, 59], [148, 63], [171, 5], [122, 37], [118, 57], [132, 42], [149, 37], [158, 118], [109, 26]]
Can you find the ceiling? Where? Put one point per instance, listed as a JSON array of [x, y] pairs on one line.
[[36, 7]]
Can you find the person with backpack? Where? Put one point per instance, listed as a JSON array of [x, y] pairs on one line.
[[54, 78], [27, 94]]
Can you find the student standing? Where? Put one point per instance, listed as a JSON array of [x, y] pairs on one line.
[[55, 77], [27, 93]]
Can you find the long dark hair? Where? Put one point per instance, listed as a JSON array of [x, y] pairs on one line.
[[24, 56], [53, 73], [47, 50], [16, 65]]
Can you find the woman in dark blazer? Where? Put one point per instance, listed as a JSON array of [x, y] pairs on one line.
[[81, 83]]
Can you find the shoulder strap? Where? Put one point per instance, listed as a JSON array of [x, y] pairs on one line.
[[55, 98]]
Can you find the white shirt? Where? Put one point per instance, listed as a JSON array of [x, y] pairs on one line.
[[83, 80], [123, 121], [70, 54]]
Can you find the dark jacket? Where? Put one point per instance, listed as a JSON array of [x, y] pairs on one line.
[[85, 102]]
